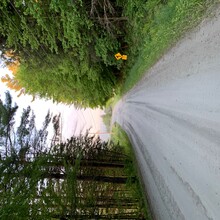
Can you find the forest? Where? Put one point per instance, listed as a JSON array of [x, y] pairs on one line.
[[80, 178], [64, 50]]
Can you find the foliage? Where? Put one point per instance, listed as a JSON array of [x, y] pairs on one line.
[[107, 118], [154, 27], [7, 114], [66, 50], [120, 137], [68, 42], [26, 138], [68, 81], [82, 178]]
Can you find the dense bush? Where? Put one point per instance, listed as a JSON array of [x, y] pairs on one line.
[[65, 48]]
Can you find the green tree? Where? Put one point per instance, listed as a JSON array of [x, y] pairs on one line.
[[7, 113], [65, 48], [81, 178], [68, 81]]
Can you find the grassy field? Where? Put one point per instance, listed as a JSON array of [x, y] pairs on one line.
[[154, 27]]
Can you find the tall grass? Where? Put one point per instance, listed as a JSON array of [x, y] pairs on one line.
[[154, 27]]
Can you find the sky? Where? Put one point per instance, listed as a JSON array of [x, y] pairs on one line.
[[74, 121]]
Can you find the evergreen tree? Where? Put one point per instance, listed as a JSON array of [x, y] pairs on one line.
[[7, 113], [65, 48], [81, 178]]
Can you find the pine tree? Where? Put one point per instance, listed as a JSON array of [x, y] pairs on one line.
[[65, 48], [81, 178]]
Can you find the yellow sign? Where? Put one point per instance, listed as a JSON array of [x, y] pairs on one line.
[[118, 56], [124, 57]]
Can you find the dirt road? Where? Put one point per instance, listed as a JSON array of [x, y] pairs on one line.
[[173, 120]]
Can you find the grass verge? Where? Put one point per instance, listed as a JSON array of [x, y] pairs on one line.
[[154, 27], [131, 170]]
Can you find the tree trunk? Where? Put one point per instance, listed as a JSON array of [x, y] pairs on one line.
[[104, 179]]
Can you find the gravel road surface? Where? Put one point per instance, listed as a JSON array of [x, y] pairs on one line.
[[173, 120]]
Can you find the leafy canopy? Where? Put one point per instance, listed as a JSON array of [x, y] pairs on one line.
[[65, 48]]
